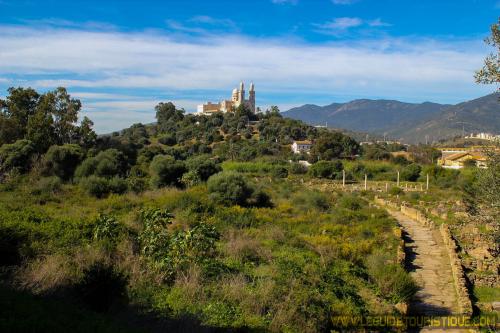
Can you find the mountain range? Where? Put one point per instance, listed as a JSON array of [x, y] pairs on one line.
[[406, 122]]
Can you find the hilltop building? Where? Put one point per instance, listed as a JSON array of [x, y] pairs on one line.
[[303, 146], [229, 105]]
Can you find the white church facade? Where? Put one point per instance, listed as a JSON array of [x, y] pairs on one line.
[[237, 98]]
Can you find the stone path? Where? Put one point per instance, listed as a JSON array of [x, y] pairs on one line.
[[428, 263]]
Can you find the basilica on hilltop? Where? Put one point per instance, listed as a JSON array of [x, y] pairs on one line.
[[237, 99]]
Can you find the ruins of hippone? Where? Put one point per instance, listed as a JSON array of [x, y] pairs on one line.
[[237, 99]]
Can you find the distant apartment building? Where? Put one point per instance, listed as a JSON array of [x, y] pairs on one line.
[[237, 98], [484, 136], [304, 146]]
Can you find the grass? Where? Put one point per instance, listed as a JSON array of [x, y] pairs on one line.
[[487, 294]]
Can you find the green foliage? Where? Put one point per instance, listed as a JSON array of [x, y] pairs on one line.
[[334, 145], [154, 237], [166, 171], [326, 169], [47, 186], [395, 190], [62, 160], [203, 166], [168, 139], [411, 172], [229, 188], [392, 281], [100, 186], [108, 163], [16, 156], [351, 202], [280, 172], [311, 199], [298, 169], [106, 227], [490, 73]]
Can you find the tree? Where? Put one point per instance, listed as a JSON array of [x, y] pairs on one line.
[[411, 172], [333, 145], [490, 73], [86, 134], [65, 113], [167, 116], [15, 111], [203, 166], [166, 171], [326, 169]]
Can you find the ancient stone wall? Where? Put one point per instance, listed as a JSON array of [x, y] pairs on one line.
[[464, 302]]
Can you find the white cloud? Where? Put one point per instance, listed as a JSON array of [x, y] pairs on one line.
[[344, 2], [341, 23], [378, 23], [281, 2], [281, 69]]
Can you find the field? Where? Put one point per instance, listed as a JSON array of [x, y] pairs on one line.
[[289, 266]]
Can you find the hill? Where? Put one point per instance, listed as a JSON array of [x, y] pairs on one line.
[[409, 122]]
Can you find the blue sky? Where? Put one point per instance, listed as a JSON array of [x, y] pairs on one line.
[[123, 57]]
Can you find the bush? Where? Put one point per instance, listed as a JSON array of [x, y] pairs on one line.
[[326, 169], [106, 227], [229, 188], [395, 190], [203, 166], [62, 160], [312, 199], [166, 171], [280, 172], [168, 140], [102, 287], [108, 163], [411, 172], [392, 281], [351, 202], [100, 187], [298, 169], [16, 155], [47, 185]]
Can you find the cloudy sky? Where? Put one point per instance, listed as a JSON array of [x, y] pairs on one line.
[[122, 57]]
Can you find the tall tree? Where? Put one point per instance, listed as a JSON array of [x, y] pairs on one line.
[[490, 73], [15, 112], [65, 112]]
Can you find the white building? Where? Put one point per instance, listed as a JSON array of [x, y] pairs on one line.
[[237, 99], [299, 147]]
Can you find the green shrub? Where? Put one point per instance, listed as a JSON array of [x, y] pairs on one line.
[[311, 199], [100, 187], [298, 168], [106, 227], [166, 171], [154, 237], [326, 169], [62, 160], [351, 202], [47, 185], [392, 281], [395, 190], [203, 165], [108, 163], [16, 155], [102, 287], [229, 188], [411, 172], [280, 172], [168, 139]]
